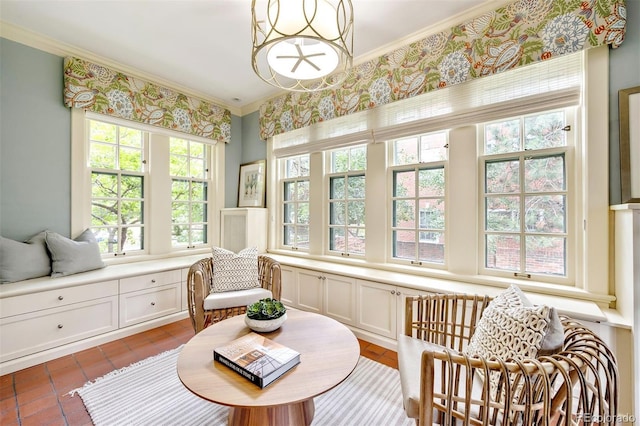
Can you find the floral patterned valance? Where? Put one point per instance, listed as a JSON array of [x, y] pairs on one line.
[[102, 90], [515, 35]]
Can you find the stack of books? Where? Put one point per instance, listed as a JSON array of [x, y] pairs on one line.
[[257, 358]]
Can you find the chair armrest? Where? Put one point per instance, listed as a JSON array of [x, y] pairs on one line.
[[198, 284]]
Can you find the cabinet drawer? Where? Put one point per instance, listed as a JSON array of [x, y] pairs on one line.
[[26, 334], [48, 299], [142, 282], [144, 305]]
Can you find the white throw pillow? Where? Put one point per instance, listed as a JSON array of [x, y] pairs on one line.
[[233, 271]]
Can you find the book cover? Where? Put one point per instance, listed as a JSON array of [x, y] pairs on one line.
[[257, 358]]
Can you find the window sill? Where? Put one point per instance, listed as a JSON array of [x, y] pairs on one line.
[[575, 303]]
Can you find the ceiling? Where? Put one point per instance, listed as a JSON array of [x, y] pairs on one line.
[[205, 45]]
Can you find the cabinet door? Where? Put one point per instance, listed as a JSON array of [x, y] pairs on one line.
[[289, 289], [310, 290], [185, 300], [33, 332], [377, 308], [340, 298]]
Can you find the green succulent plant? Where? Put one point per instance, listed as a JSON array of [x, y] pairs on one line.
[[266, 309]]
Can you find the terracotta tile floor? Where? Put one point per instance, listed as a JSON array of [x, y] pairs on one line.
[[39, 395]]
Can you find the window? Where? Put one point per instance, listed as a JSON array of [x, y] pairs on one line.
[[189, 188], [418, 200], [347, 200], [525, 195], [295, 187], [118, 173]]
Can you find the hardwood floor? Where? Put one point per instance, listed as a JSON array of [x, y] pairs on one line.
[[39, 395]]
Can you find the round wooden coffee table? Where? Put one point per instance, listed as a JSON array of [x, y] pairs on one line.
[[328, 354]]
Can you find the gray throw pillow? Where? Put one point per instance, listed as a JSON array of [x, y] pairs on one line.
[[22, 261], [73, 256]]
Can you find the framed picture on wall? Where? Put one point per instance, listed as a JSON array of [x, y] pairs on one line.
[[251, 187], [629, 110]]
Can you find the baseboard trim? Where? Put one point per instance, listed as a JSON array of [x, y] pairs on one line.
[[70, 348]]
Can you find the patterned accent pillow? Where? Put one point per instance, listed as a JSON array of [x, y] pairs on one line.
[[233, 271], [509, 329]]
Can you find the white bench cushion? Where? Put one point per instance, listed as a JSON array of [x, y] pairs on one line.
[[229, 299]]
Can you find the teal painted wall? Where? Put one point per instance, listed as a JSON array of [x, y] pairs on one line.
[[624, 72], [35, 150]]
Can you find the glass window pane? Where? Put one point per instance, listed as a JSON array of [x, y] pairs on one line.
[[302, 237], [431, 182], [104, 212], [404, 244], [104, 185], [303, 213], [356, 213], [545, 214], [132, 239], [337, 188], [199, 191], [502, 137], [179, 146], [404, 213], [197, 212], [336, 239], [131, 212], [340, 161], [130, 137], [503, 252], [546, 255], [404, 183], [180, 235], [432, 147], [356, 186], [405, 151], [102, 156], [198, 234], [289, 213], [358, 160], [545, 174], [338, 213], [180, 212], [197, 149], [303, 190], [431, 247], [289, 235], [432, 214], [502, 176], [107, 238], [503, 214], [102, 132], [180, 190], [544, 130], [356, 240], [197, 168], [289, 191], [130, 159], [179, 166], [131, 187]]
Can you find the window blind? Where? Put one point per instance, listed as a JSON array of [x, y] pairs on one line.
[[554, 83]]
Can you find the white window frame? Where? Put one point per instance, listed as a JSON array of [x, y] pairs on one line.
[[282, 181], [572, 193], [158, 191]]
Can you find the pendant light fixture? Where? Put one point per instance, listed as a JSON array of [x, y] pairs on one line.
[[302, 45]]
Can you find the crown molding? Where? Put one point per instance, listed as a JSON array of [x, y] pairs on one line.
[[49, 45]]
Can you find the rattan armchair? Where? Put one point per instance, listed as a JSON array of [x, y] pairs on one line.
[[577, 386], [199, 284]]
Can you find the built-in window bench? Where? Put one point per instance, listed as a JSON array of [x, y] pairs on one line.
[[45, 318]]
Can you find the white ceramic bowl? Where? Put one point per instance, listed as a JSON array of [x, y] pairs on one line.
[[264, 326]]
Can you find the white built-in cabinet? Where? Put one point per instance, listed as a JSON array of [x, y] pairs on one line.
[[243, 227], [374, 307], [45, 318]]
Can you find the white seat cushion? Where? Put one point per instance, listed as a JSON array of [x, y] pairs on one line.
[[409, 364], [229, 299]]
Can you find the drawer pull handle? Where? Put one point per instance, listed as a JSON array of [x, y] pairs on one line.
[[60, 297], [59, 325], [153, 281], [153, 303]]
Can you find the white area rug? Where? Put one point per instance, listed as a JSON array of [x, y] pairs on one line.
[[150, 393]]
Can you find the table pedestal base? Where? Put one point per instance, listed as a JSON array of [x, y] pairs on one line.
[[300, 413]]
